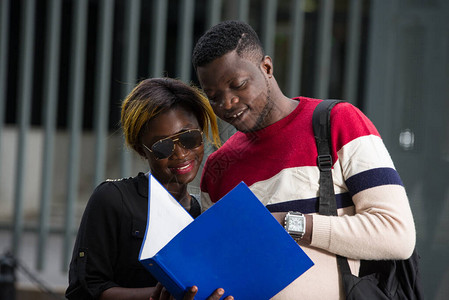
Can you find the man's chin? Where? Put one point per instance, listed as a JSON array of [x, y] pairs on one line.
[[242, 126], [246, 128]]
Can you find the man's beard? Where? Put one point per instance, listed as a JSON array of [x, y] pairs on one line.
[[269, 104]]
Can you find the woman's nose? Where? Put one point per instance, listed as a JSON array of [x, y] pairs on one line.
[[179, 151]]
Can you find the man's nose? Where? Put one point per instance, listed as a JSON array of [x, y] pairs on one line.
[[229, 101]]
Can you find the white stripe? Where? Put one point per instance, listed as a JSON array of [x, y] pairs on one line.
[[303, 182], [294, 184], [370, 152]]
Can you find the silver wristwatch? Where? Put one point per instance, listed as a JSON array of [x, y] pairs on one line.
[[295, 224]]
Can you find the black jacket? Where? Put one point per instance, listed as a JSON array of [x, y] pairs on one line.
[[109, 238]]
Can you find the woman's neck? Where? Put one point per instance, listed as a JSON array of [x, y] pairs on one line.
[[180, 193]]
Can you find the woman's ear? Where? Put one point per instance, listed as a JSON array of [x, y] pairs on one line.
[[267, 65], [139, 149]]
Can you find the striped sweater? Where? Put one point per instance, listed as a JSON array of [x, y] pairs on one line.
[[278, 163]]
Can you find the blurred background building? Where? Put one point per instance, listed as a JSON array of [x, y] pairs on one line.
[[65, 66]]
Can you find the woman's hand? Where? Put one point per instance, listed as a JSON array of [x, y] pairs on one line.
[[160, 293], [216, 295]]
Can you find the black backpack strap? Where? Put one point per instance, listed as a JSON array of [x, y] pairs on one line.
[[322, 133], [407, 270]]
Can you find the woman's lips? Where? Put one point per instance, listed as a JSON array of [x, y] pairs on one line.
[[183, 168]]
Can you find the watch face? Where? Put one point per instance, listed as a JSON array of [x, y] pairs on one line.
[[296, 223]]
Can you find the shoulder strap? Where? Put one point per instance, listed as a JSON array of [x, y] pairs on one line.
[[322, 133], [407, 270]]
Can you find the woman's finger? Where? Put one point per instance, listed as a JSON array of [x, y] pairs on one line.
[[190, 294]]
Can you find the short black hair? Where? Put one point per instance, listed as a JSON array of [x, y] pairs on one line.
[[225, 37]]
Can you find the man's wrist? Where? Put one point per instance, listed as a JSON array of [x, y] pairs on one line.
[[307, 238], [295, 225]]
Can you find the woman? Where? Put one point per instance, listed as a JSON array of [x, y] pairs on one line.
[[163, 120]]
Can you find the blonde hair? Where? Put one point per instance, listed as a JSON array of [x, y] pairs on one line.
[[155, 95]]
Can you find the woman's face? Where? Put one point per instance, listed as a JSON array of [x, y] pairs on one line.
[[183, 164]]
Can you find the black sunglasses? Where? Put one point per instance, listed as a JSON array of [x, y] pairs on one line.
[[164, 148]]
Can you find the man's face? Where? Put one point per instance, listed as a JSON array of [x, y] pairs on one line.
[[238, 90]]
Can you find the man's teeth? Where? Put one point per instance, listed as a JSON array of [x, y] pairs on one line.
[[236, 115]]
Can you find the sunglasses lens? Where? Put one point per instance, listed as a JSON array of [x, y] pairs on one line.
[[163, 148], [191, 139]]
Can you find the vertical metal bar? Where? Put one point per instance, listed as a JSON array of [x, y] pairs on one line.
[[322, 75], [76, 99], [296, 49], [353, 51], [4, 37], [51, 77], [269, 28], [158, 38], [103, 73], [213, 12], [185, 34], [132, 21], [243, 10], [24, 93]]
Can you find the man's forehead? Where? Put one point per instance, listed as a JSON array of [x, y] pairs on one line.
[[223, 74]]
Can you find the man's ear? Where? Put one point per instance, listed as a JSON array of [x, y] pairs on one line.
[[267, 65]]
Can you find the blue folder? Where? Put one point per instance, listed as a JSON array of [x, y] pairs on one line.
[[236, 245]]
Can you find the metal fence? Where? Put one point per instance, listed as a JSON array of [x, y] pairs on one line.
[[65, 65]]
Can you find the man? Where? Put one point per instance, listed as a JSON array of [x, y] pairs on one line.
[[274, 153]]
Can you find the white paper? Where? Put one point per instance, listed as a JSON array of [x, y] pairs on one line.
[[166, 219]]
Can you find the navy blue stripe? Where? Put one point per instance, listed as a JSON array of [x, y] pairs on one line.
[[308, 206], [372, 178]]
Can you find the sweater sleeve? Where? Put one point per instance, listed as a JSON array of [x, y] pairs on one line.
[[381, 224]]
